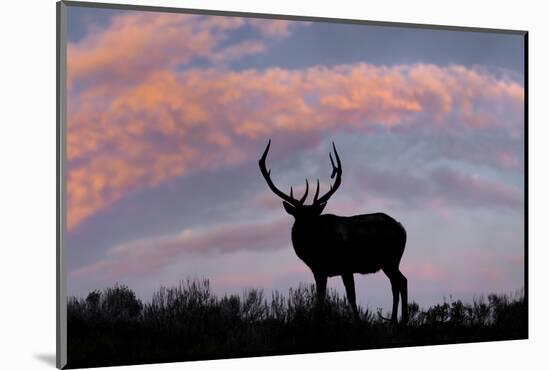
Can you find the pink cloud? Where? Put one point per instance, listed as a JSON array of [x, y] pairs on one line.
[[488, 257], [458, 272], [474, 190], [140, 43], [151, 255], [507, 159], [438, 189], [489, 270], [135, 122], [275, 27], [112, 141], [424, 271], [492, 274]]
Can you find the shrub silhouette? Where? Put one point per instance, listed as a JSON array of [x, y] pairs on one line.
[[188, 322], [120, 303]]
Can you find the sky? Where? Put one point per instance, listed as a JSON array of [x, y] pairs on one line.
[[169, 113]]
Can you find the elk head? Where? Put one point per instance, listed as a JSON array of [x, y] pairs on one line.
[[296, 207]]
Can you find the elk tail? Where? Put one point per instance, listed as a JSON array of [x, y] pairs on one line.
[[402, 238], [404, 234]]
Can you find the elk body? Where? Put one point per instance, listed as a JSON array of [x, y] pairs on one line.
[[333, 245]]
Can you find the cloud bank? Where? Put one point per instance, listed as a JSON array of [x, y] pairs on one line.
[[151, 255], [166, 126]]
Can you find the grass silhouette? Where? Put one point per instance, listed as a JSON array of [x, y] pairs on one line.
[[188, 322]]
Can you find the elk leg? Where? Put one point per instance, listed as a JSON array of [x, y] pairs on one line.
[[404, 299], [321, 287], [395, 289], [349, 283]]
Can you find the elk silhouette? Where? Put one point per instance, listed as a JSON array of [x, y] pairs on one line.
[[333, 245]]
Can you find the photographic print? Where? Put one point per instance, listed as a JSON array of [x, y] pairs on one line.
[[237, 185]]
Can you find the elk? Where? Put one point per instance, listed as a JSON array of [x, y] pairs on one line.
[[333, 245]]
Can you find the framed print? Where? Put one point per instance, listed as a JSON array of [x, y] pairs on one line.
[[237, 185]]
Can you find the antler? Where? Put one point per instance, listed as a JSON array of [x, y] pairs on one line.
[[336, 171], [266, 174]]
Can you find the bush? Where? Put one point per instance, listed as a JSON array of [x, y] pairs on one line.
[[113, 327]]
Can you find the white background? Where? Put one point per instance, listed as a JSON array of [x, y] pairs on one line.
[[27, 196]]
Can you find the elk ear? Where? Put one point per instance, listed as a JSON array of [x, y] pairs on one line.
[[289, 208], [319, 208]]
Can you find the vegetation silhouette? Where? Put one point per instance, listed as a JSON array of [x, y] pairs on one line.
[[341, 246], [188, 322]]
